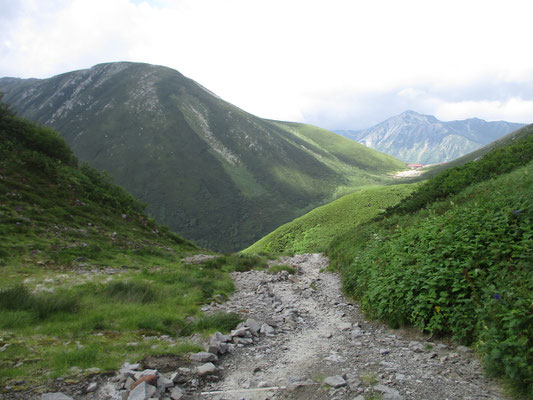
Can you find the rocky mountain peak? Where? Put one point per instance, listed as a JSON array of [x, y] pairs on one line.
[[419, 138]]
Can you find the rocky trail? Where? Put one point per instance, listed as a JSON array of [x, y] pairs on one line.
[[302, 339], [322, 348]]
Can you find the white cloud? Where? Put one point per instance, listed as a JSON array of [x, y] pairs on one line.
[[340, 63]]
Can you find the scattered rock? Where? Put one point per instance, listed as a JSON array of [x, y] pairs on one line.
[[55, 396], [206, 369], [92, 387], [388, 393], [143, 391], [176, 393], [150, 379], [253, 325], [335, 381], [203, 357]]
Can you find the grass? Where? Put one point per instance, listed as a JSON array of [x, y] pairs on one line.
[[89, 280], [276, 269], [315, 230], [368, 379]]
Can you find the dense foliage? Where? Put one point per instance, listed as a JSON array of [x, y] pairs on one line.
[[452, 181], [462, 266]]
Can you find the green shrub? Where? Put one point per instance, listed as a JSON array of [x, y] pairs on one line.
[[130, 291], [16, 298], [499, 161], [223, 322], [275, 269], [235, 262], [43, 305], [36, 138], [462, 267]]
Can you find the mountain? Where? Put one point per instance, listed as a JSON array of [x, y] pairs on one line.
[[207, 169], [417, 138]]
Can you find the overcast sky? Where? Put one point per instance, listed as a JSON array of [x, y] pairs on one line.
[[339, 64]]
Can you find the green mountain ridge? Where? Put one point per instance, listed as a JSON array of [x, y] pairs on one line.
[[207, 169]]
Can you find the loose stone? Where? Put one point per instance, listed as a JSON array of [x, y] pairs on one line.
[[206, 369], [142, 392], [203, 357], [335, 381]]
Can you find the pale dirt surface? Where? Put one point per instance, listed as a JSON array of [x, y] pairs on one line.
[[319, 333], [408, 174]]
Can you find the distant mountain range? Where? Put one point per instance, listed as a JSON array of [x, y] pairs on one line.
[[207, 169], [418, 138]]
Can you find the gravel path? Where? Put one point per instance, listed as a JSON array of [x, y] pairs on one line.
[[322, 348]]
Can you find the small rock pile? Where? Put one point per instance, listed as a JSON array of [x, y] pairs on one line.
[[132, 383]]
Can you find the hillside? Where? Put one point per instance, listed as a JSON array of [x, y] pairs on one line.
[[314, 231], [454, 258], [417, 138], [477, 154], [210, 171], [88, 279]]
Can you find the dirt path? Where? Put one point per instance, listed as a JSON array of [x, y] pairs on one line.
[[320, 337]]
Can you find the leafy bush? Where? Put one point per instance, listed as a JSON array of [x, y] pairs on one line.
[[462, 267], [104, 191], [35, 137]]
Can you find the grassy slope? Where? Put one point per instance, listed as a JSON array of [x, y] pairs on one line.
[[461, 265], [507, 139], [349, 159], [315, 230], [163, 138], [87, 277]]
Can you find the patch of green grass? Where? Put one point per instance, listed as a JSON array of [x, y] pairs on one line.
[[314, 231], [222, 322], [368, 379], [276, 269], [236, 262], [42, 305], [133, 292]]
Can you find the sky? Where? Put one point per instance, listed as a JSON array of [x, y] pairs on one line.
[[338, 64]]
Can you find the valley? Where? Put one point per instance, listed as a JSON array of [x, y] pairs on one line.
[[212, 172], [99, 298]]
